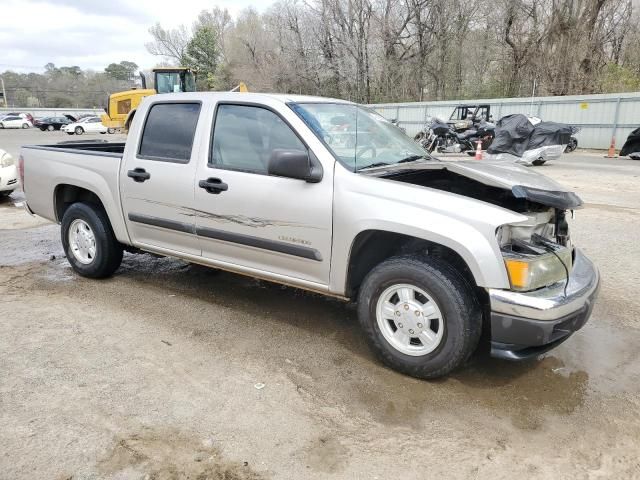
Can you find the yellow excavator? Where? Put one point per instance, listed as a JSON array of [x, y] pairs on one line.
[[121, 106]]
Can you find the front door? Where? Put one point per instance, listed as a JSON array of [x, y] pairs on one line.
[[157, 179], [248, 218]]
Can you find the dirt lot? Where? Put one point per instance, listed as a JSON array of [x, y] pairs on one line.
[[152, 373]]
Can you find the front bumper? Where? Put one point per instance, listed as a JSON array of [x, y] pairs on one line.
[[526, 324]]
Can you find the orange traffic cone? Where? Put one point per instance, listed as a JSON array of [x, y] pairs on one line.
[[612, 149], [479, 150]]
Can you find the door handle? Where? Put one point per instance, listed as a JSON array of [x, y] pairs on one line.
[[139, 175], [213, 185]]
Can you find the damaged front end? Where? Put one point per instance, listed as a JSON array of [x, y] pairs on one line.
[[553, 285]]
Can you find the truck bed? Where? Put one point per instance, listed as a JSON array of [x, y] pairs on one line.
[[90, 165], [99, 147]]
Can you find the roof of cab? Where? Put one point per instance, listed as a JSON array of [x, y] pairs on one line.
[[249, 96]]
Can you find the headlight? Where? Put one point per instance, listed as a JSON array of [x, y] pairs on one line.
[[530, 272], [6, 160]]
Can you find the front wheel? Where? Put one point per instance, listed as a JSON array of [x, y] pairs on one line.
[[51, 128], [79, 130], [111, 131], [539, 162], [89, 242], [420, 316], [25, 125]]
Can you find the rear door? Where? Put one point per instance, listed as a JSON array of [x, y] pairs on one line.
[[157, 178], [258, 221], [94, 125]]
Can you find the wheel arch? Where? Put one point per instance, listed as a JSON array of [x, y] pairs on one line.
[[66, 194], [371, 247]]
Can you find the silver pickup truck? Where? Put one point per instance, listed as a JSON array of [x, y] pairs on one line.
[[328, 196]]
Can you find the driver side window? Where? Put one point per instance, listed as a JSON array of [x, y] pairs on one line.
[[244, 137]]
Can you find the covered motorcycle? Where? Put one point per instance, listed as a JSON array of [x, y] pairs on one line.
[[631, 147], [528, 140]]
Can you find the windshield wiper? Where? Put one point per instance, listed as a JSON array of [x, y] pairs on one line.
[[412, 158], [374, 165]]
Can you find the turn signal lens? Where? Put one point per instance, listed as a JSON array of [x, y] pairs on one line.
[[518, 273]]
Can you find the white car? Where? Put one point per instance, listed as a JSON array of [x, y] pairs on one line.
[[8, 174], [14, 121], [88, 125]]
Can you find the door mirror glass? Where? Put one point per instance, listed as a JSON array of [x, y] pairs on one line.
[[296, 164]]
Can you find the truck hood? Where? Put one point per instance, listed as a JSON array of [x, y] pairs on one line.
[[521, 182]]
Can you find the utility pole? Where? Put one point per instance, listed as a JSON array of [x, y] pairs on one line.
[[4, 93]]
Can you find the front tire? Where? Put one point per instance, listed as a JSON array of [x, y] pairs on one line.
[[51, 128], [79, 130], [420, 315], [89, 242], [538, 162], [111, 131], [25, 125]]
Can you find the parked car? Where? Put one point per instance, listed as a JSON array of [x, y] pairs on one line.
[[52, 123], [8, 174], [28, 116], [433, 251], [88, 125], [14, 121]]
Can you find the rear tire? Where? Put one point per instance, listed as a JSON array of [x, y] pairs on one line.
[[69, 133], [111, 131], [79, 130], [457, 317], [25, 125], [85, 226], [51, 128], [539, 162], [572, 145]]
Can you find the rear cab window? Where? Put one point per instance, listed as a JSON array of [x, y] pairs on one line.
[[169, 132]]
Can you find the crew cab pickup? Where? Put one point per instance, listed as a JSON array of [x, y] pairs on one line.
[[328, 196]]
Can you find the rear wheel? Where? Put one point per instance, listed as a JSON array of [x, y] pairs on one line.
[[111, 131], [89, 242], [25, 125], [572, 145], [420, 315], [79, 130], [1, 125], [51, 128], [539, 162], [69, 133], [5, 193]]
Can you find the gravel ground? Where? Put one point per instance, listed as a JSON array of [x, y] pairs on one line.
[[154, 373]]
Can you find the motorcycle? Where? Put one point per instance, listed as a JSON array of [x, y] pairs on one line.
[[441, 137]]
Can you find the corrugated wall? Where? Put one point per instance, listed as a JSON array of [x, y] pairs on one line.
[[599, 116], [52, 112]]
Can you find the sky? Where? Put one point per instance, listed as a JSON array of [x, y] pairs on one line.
[[92, 33]]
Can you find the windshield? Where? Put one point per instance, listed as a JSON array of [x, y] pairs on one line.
[[358, 136]]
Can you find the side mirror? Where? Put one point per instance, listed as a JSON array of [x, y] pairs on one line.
[[297, 164]]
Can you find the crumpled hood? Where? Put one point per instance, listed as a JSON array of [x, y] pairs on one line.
[[522, 182], [504, 175]]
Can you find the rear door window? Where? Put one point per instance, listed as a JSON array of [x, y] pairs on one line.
[[169, 132]]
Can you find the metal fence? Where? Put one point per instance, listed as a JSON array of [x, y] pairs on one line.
[[52, 112], [599, 116]]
